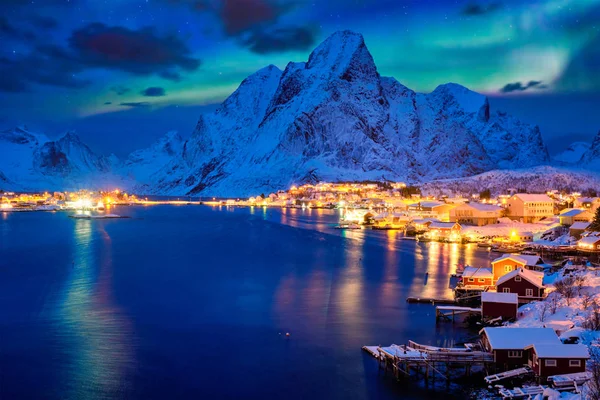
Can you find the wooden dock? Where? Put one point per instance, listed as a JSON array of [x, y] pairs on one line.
[[428, 361], [429, 300], [513, 373], [448, 313]]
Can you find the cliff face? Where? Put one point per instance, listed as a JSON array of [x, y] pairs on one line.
[[335, 118]]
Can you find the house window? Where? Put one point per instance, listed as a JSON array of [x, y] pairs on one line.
[[505, 290], [471, 279], [574, 363], [550, 363], [529, 292], [508, 268], [517, 278], [481, 279], [515, 354]]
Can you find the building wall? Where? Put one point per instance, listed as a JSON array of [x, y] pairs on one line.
[[529, 211], [476, 282], [504, 362], [562, 367], [495, 310], [520, 287], [499, 267]]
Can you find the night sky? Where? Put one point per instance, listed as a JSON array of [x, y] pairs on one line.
[[124, 72]]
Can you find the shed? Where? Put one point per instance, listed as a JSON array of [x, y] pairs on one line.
[[551, 359], [503, 305]]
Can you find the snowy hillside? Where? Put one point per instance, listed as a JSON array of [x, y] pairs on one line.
[[30, 161], [328, 119], [573, 153], [538, 179], [334, 118]]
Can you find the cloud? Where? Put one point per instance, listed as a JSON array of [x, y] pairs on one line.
[[8, 30], [119, 89], [519, 87], [279, 40], [45, 65], [474, 9], [170, 76], [140, 52], [43, 22], [153, 92], [136, 104]]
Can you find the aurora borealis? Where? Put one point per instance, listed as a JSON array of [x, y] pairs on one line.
[[112, 67]]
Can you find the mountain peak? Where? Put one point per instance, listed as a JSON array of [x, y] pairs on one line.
[[340, 52], [70, 136]]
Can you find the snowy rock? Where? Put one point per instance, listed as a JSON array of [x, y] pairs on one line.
[[573, 154], [335, 118]]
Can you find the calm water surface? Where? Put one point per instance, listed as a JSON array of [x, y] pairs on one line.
[[194, 302]]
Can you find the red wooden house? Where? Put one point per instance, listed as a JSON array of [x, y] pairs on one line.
[[499, 305], [508, 345], [547, 360], [477, 278], [526, 284]]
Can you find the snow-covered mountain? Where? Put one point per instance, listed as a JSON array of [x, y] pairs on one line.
[[30, 161], [330, 118], [335, 118], [573, 153], [591, 158], [141, 164]]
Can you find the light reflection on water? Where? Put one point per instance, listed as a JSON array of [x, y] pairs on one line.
[[97, 336]]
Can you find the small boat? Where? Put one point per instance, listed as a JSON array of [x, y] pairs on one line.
[[348, 226]]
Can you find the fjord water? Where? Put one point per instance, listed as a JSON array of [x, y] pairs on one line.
[[195, 302]]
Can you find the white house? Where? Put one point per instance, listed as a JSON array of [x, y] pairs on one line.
[[529, 207]]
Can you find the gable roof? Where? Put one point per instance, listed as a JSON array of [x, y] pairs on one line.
[[530, 197], [580, 225], [483, 207], [525, 259], [497, 297], [560, 351], [589, 240], [474, 272], [443, 225], [571, 213], [519, 338], [529, 276]]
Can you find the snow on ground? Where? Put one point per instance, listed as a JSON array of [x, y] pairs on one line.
[[506, 226]]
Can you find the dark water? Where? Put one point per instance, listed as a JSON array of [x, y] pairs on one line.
[[194, 302]]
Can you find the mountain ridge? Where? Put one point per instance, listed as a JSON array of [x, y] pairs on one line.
[[332, 117]]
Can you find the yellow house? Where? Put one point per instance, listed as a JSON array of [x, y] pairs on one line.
[[529, 207], [475, 214]]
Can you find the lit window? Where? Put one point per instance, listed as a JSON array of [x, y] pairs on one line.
[[471, 279], [508, 268], [574, 363], [550, 363], [481, 279]]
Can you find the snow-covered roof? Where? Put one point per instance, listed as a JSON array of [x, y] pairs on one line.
[[473, 272], [529, 197], [496, 297], [484, 207], [589, 240], [519, 338], [571, 213], [442, 225], [560, 351], [525, 259], [428, 204], [580, 225], [530, 276]]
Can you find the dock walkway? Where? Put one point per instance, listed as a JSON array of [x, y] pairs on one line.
[[449, 313], [513, 373]]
